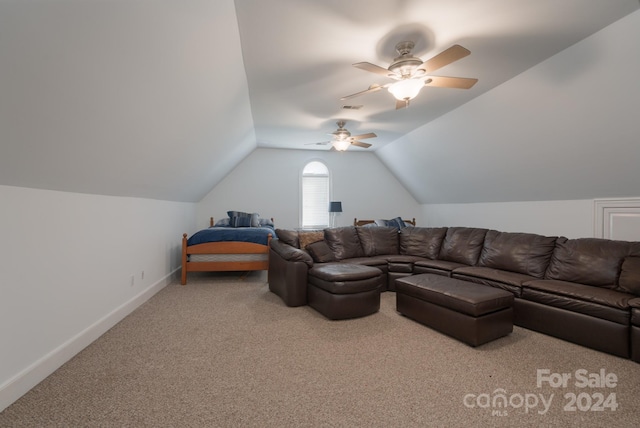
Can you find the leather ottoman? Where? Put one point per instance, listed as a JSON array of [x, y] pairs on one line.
[[341, 291], [473, 313]]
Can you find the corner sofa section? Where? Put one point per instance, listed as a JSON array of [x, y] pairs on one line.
[[581, 290]]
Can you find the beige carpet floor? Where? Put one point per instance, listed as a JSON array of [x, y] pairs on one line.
[[225, 352]]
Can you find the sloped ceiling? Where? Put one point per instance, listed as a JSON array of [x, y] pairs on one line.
[[162, 98], [144, 98], [565, 129]]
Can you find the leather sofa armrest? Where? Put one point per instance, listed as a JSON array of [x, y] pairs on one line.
[[287, 275], [289, 253]]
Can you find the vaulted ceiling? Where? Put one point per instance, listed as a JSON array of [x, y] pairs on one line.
[[162, 98]]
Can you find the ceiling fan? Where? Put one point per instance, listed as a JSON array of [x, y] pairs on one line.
[[342, 139], [411, 73]]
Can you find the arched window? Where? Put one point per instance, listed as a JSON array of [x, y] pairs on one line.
[[315, 196]]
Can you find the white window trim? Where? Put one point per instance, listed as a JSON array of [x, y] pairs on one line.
[[300, 197]]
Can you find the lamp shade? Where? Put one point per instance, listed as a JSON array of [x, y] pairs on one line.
[[341, 145], [335, 207], [406, 89]]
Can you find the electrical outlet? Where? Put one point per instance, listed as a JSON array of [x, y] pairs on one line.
[[133, 280]]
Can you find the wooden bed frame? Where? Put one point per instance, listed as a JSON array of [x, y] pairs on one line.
[[357, 222], [231, 247]]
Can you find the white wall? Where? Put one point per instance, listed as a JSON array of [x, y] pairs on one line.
[[268, 181], [66, 262], [573, 219]]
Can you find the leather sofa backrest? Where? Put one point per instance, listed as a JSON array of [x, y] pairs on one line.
[[630, 276], [422, 241], [289, 237], [590, 261], [344, 242], [378, 241], [525, 253], [462, 245]]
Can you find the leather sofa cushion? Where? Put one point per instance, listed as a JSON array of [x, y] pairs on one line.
[[378, 241], [630, 276], [422, 241], [320, 252], [344, 242], [635, 311], [462, 245], [289, 237], [443, 265], [516, 290], [524, 253], [342, 278], [588, 293], [378, 262], [590, 261], [400, 267], [511, 278], [367, 261], [404, 258], [585, 299]]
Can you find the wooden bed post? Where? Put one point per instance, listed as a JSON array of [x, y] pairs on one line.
[[183, 278], [211, 223]]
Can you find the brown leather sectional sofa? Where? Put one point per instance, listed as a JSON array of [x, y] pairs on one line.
[[581, 290]]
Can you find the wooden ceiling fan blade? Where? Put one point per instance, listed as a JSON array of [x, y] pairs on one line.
[[322, 143], [372, 68], [445, 57], [450, 82], [361, 144], [373, 88], [363, 136]]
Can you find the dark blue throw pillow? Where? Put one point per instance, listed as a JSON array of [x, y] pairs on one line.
[[238, 214], [240, 221], [397, 222]]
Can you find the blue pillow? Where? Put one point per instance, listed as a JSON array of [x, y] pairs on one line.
[[255, 220], [238, 214], [265, 222], [395, 222], [240, 222], [398, 222], [224, 222]]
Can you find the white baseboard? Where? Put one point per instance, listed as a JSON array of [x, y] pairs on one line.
[[21, 383]]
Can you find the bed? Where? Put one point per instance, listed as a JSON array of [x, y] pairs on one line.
[[357, 222], [222, 248]]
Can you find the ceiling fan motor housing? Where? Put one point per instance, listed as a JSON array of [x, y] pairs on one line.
[[404, 64], [341, 133]]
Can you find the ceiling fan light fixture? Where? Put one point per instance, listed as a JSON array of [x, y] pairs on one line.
[[406, 89], [341, 145], [342, 135]]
